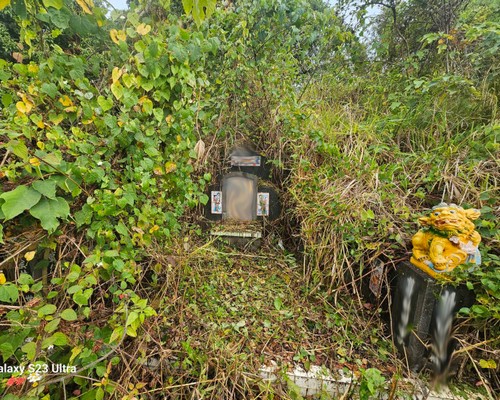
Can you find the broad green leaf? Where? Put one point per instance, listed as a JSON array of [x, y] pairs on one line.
[[117, 334], [128, 80], [99, 394], [204, 199], [60, 18], [367, 214], [15, 341], [46, 187], [201, 9], [131, 331], [179, 52], [278, 303], [418, 83], [37, 287], [52, 325], [60, 339], [6, 350], [116, 73], [111, 253], [69, 315], [20, 199], [53, 159], [131, 318], [81, 25], [44, 17], [147, 85], [37, 120], [30, 350], [49, 89], [80, 299], [91, 280], [187, 5], [147, 106], [47, 309], [84, 216], [19, 149], [104, 103], [57, 4], [25, 279], [8, 293], [239, 325], [122, 229], [75, 288], [57, 339], [6, 98], [209, 7], [117, 89], [49, 210], [19, 7], [158, 113]]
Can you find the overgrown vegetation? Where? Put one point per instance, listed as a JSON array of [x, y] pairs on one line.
[[112, 125]]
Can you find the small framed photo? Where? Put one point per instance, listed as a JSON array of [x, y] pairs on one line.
[[262, 204], [216, 202]]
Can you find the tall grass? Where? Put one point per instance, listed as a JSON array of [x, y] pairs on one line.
[[374, 160]]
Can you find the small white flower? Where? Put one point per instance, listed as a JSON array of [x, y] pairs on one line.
[[99, 264], [35, 377], [99, 163], [50, 348], [28, 339]]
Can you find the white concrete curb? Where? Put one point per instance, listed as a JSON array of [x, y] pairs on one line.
[[319, 380]]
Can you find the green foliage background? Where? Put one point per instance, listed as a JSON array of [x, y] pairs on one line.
[[103, 117]]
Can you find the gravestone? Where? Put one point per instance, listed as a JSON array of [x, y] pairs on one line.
[[422, 315], [425, 302], [242, 198]]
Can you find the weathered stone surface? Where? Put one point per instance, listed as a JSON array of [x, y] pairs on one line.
[[414, 315], [412, 310]]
